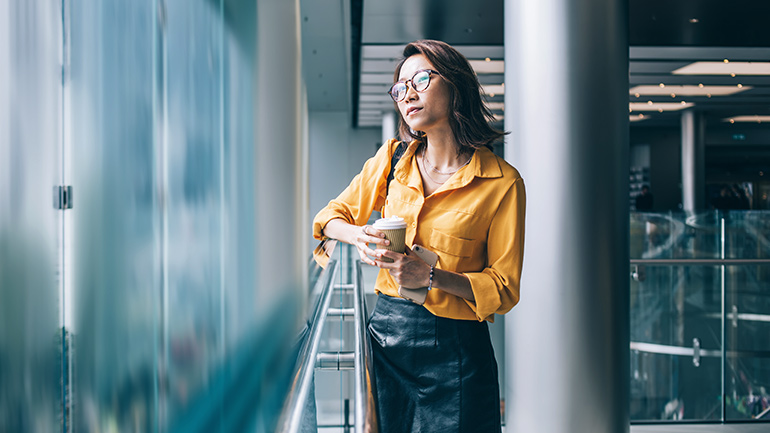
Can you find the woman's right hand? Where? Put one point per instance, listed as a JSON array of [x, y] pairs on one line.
[[366, 235]]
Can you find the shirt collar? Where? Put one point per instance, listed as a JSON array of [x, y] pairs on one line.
[[483, 164]]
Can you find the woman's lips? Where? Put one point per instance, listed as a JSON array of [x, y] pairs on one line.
[[412, 110]]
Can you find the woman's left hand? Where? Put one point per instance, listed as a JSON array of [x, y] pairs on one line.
[[408, 269]]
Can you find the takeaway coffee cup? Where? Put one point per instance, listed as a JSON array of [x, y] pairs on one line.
[[395, 231]]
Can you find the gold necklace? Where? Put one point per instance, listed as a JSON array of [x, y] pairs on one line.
[[425, 161], [427, 172]]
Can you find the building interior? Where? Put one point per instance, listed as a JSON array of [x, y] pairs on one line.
[[161, 162]]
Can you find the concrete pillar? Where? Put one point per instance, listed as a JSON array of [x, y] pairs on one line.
[[693, 161], [279, 119], [389, 125], [566, 105]]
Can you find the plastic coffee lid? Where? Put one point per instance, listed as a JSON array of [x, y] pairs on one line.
[[391, 223]]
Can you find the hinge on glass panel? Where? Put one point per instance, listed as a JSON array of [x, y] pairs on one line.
[[62, 197], [696, 352]]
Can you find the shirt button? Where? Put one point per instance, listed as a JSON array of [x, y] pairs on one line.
[[414, 224]]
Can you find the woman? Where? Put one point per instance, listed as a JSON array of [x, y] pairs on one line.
[[434, 364]]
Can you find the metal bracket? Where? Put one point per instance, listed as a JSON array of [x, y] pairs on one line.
[[62, 197], [696, 352]]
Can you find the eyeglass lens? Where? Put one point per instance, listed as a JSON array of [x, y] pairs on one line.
[[419, 82]]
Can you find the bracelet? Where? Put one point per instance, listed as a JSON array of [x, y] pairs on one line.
[[430, 280]]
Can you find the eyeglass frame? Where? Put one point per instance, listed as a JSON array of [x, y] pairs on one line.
[[411, 81]]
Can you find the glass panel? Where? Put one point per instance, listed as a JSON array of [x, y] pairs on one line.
[[31, 347], [116, 244], [674, 235], [748, 342], [672, 388], [747, 328], [193, 156], [671, 307], [747, 234]]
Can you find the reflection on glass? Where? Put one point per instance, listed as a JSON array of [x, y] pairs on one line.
[[671, 306], [31, 343], [114, 240], [194, 228], [682, 312], [747, 324], [170, 331], [675, 235]]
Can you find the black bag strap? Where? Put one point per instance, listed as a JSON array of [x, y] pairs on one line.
[[397, 154]]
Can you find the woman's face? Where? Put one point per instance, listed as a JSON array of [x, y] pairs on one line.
[[427, 110]]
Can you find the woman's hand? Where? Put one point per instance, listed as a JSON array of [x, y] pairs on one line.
[[408, 270], [365, 236]]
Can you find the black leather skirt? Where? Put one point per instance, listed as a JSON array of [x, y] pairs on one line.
[[432, 374]]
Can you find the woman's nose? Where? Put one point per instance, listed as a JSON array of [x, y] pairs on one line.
[[410, 92]]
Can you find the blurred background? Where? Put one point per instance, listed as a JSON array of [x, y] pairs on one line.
[[161, 161]]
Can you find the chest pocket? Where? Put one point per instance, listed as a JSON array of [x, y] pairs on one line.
[[451, 245]]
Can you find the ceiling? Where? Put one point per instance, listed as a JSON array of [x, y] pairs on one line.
[[664, 35]]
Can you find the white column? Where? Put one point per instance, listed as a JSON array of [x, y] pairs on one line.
[[389, 125], [278, 161], [566, 96], [693, 161]]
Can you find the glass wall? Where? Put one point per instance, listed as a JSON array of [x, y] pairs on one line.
[[700, 316], [138, 308], [30, 271]]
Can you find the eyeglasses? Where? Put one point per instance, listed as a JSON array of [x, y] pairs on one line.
[[419, 82]]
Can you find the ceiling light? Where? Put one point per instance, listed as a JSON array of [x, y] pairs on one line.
[[659, 106], [687, 90], [724, 68], [740, 85], [732, 74], [635, 118], [748, 119], [694, 20], [700, 85], [673, 95], [726, 61], [662, 85], [636, 94], [487, 59], [708, 95]]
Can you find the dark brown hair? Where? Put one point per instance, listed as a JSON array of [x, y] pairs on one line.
[[469, 116]]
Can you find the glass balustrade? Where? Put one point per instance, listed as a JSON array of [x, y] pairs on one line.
[[700, 316]]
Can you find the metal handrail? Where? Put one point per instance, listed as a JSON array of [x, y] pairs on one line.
[[703, 262], [365, 408], [291, 414], [664, 349]]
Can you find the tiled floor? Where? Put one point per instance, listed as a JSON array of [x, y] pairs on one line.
[[669, 428], [703, 428]]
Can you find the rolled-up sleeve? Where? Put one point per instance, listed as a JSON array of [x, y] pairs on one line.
[[365, 193], [496, 287]]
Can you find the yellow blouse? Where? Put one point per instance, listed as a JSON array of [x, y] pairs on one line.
[[474, 222]]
